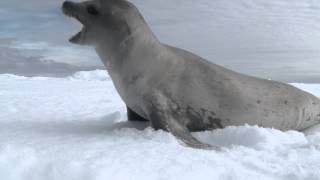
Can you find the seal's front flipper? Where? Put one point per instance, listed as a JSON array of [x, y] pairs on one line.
[[183, 134], [133, 116], [166, 115]]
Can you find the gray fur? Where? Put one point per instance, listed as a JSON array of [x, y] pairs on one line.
[[179, 91]]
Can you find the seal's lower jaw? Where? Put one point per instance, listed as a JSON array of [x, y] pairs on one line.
[[78, 38]]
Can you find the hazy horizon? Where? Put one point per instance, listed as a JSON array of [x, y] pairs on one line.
[[276, 39]]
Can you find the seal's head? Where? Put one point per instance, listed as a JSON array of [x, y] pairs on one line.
[[103, 21]]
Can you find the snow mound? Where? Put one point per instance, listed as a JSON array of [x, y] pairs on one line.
[[97, 75], [11, 76], [252, 137], [76, 128]]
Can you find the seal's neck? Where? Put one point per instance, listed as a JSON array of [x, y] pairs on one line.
[[139, 43], [130, 61]]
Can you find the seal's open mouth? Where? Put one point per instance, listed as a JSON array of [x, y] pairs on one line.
[[72, 10]]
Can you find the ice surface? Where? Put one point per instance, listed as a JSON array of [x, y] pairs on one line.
[[75, 128]]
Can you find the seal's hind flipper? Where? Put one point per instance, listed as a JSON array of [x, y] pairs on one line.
[[133, 116]]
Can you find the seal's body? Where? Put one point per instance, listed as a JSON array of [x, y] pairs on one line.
[[179, 91]]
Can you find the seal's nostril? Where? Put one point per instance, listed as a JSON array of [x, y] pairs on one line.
[[67, 4]]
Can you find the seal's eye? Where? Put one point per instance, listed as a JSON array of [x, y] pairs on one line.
[[92, 10]]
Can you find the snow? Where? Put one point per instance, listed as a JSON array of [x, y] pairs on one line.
[[76, 128]]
